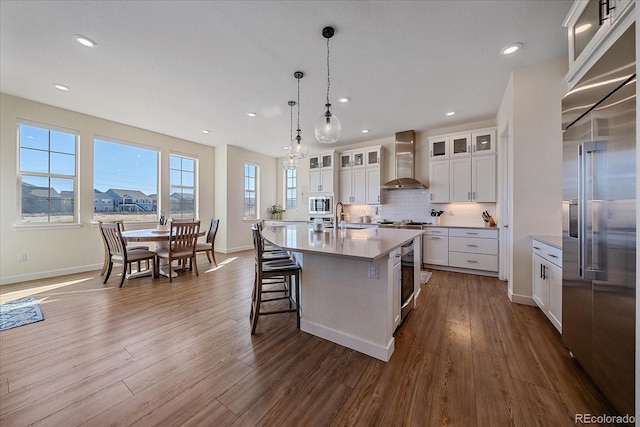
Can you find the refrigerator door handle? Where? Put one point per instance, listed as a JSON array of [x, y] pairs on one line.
[[589, 245]]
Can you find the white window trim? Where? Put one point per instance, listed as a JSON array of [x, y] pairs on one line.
[[257, 190], [196, 182], [286, 183]]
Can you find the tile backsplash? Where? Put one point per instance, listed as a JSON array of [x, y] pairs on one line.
[[415, 205]]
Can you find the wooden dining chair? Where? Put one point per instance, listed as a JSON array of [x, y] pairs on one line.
[[129, 247], [182, 246], [272, 272], [118, 253], [208, 245]]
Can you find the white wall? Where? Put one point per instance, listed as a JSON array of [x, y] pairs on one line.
[[531, 108], [53, 251], [238, 232]]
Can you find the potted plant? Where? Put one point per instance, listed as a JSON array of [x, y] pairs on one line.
[[275, 211], [163, 223]]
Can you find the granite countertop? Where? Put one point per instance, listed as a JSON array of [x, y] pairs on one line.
[[363, 244], [555, 241]]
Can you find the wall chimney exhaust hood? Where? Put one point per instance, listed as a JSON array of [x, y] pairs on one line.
[[405, 148]]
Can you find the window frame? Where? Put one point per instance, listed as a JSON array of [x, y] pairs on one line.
[[75, 221], [196, 197], [287, 188], [138, 145], [256, 191]]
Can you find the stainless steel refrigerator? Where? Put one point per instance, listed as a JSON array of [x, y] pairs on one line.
[[599, 222]]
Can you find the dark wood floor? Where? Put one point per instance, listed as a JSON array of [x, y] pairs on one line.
[[154, 353]]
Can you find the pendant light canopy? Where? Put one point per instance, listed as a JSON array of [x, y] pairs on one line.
[[328, 128], [298, 148], [291, 162]]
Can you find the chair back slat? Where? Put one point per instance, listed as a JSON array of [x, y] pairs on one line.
[[213, 229], [112, 235], [184, 236]]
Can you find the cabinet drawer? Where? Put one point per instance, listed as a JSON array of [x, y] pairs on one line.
[[548, 252], [473, 261], [474, 232], [436, 231], [473, 245]]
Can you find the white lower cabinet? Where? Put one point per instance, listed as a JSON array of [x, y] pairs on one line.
[[547, 281], [472, 249], [396, 269], [435, 246]]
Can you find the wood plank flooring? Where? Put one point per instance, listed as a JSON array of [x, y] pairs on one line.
[[180, 354]]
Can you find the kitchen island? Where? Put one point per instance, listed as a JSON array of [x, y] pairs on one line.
[[348, 292]]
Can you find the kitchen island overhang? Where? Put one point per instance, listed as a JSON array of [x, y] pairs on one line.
[[347, 291]]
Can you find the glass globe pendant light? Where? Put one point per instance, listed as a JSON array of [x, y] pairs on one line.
[[298, 148], [291, 162], [328, 128]]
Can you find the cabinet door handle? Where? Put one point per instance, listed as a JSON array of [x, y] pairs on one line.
[[431, 196], [553, 256], [469, 196], [472, 246], [544, 271], [536, 248], [473, 195], [468, 148], [431, 153], [434, 238], [471, 233], [472, 261], [541, 276]]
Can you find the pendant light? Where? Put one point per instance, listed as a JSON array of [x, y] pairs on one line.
[[298, 148], [328, 127], [291, 162]]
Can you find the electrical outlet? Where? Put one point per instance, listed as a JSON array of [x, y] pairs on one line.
[[373, 270], [22, 256], [451, 213]]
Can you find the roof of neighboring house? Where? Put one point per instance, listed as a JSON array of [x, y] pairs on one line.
[[136, 194]]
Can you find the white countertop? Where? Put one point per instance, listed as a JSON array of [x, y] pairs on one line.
[[366, 244], [555, 241]]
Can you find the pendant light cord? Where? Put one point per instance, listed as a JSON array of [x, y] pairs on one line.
[[291, 123], [298, 137], [328, 72]]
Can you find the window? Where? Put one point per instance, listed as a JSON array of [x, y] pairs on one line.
[[250, 191], [182, 173], [125, 180], [291, 183], [47, 174]]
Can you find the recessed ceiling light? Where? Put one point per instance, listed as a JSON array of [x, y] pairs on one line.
[[85, 41], [512, 48], [61, 87], [451, 113], [365, 131], [251, 114], [206, 131], [343, 99]]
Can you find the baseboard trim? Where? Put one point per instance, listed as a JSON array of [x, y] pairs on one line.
[[48, 274], [461, 270], [522, 299], [363, 346], [233, 250]]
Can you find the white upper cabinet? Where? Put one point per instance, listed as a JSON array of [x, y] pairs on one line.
[[483, 141], [322, 173], [460, 145], [360, 175], [592, 27], [483, 178], [439, 147], [460, 180], [439, 182]]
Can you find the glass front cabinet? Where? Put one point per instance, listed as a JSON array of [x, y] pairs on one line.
[[483, 141], [439, 147]]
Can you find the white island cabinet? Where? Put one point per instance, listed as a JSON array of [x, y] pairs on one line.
[[347, 292]]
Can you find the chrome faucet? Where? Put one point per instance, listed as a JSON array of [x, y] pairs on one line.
[[340, 216]]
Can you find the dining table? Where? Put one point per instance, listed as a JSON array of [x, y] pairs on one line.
[[161, 238]]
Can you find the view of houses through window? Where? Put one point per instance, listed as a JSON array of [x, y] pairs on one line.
[[182, 186], [47, 174], [250, 191], [291, 183], [125, 182]]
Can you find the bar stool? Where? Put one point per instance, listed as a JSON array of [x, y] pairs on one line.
[[279, 271]]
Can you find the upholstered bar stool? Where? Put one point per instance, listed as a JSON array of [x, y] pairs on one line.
[[269, 273]]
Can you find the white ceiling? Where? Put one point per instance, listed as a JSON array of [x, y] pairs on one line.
[[178, 67]]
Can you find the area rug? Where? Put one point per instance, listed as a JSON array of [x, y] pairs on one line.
[[424, 276], [20, 312]]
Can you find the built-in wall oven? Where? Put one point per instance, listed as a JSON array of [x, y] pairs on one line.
[[321, 205], [407, 283]]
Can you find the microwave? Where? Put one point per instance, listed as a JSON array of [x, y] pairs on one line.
[[320, 205]]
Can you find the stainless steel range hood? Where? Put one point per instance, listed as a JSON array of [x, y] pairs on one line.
[[405, 148]]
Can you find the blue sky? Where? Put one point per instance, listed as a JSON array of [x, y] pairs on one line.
[[125, 166]]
